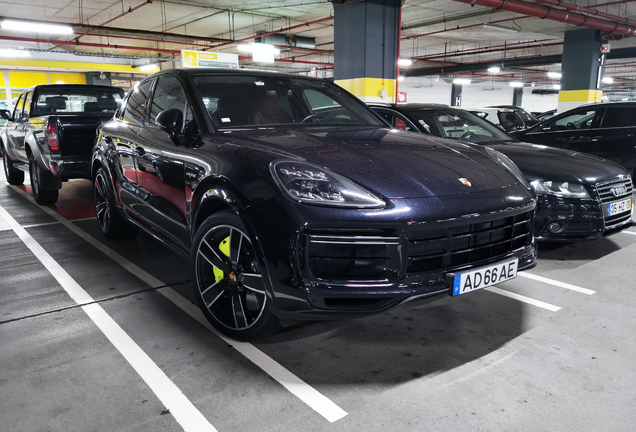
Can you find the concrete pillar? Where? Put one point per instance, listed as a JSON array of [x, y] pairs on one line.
[[582, 69], [456, 95], [517, 95], [366, 41]]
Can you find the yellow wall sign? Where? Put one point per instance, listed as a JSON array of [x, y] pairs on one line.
[[199, 59]]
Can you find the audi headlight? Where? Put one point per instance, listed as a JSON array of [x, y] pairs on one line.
[[560, 189], [314, 185], [510, 166]]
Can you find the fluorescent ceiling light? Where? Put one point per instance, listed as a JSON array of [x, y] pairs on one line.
[[245, 47], [515, 84], [13, 53], [494, 69], [461, 81], [404, 62], [500, 27], [608, 80], [148, 67], [555, 75], [556, 86], [264, 53], [34, 27]]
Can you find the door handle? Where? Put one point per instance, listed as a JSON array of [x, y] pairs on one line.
[[140, 151]]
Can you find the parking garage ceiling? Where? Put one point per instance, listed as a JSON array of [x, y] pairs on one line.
[[434, 32]]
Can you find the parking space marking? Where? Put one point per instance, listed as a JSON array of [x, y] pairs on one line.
[[556, 283], [524, 299], [310, 396], [184, 412]]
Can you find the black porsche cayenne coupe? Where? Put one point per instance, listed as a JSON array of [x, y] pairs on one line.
[[293, 201]]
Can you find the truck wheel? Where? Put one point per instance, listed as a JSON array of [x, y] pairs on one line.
[[110, 221], [42, 197], [14, 176]]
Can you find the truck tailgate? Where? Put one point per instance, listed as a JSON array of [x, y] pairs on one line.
[[77, 133]]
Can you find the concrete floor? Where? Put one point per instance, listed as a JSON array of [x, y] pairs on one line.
[[479, 362]]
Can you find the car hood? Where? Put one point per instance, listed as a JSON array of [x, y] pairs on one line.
[[393, 163], [538, 162]]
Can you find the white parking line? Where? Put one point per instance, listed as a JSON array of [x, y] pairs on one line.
[[184, 412], [524, 299], [556, 283], [310, 396]]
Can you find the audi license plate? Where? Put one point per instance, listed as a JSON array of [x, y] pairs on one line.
[[484, 277], [618, 207]]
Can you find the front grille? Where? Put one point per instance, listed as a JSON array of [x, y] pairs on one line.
[[615, 190], [440, 249], [578, 228], [353, 257]]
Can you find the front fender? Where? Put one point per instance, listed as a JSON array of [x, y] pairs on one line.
[[50, 178]]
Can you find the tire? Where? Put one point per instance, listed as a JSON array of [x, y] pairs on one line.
[[42, 197], [14, 176], [227, 280], [110, 221]]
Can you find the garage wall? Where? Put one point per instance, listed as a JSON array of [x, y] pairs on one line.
[[540, 103], [478, 95], [13, 82], [426, 90]]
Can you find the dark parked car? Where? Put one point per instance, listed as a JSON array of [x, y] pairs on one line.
[[293, 201], [607, 130], [507, 117], [581, 197], [51, 134]]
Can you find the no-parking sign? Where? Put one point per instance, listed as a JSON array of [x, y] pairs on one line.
[[605, 48]]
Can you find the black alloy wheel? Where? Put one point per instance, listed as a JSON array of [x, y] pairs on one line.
[[228, 282], [14, 176], [41, 196], [110, 221]]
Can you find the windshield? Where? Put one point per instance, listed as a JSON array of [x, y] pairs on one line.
[[527, 118], [458, 124], [53, 101], [239, 101]]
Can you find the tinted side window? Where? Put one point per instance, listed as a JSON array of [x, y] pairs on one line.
[[577, 120], [27, 105], [17, 112], [168, 94], [397, 121], [135, 110], [619, 117]]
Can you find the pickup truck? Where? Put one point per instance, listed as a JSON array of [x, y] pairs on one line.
[[51, 132]]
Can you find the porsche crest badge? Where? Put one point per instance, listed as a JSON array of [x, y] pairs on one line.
[[465, 181]]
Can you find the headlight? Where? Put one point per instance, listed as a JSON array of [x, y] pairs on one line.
[[505, 161], [313, 185], [560, 189]]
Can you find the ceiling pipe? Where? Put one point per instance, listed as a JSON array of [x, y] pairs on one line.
[[130, 10], [620, 53], [495, 48], [545, 12], [463, 27], [94, 45], [472, 50], [588, 11], [307, 24]]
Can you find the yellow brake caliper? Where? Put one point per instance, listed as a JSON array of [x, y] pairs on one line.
[[225, 248]]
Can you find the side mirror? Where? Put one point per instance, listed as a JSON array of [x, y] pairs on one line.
[[5, 114], [170, 121]]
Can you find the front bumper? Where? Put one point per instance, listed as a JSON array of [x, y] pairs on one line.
[[574, 219], [353, 266]]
